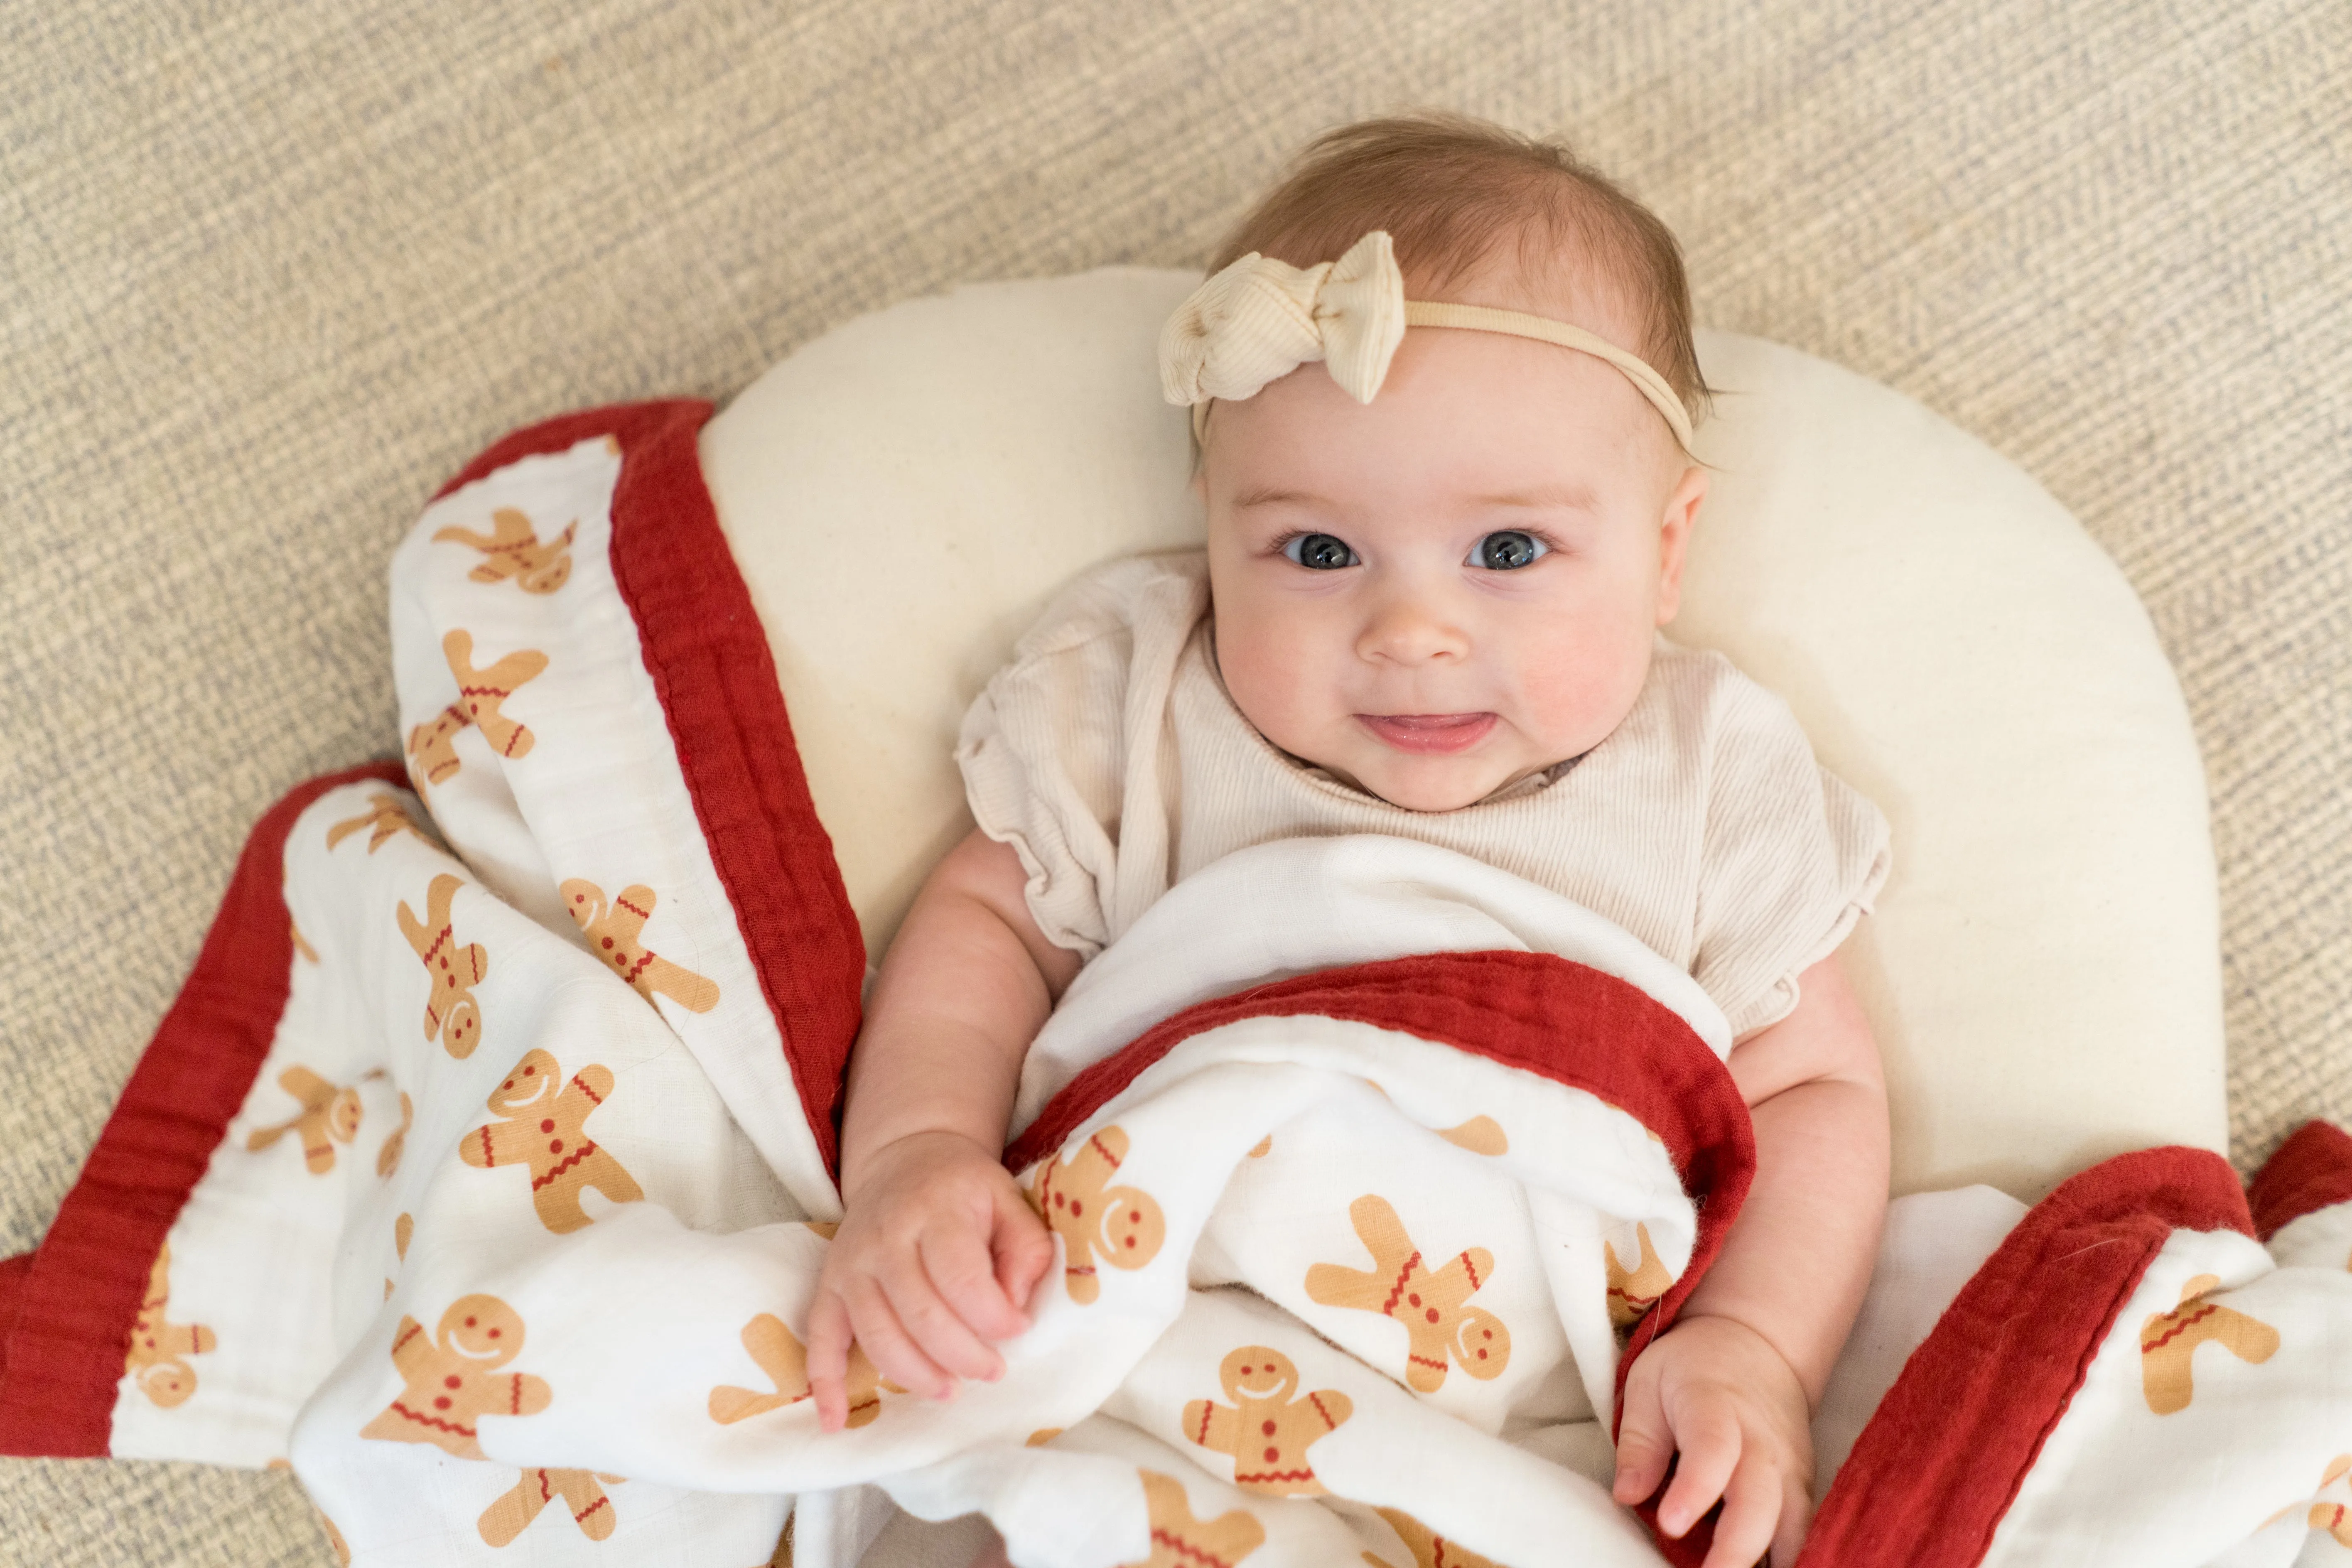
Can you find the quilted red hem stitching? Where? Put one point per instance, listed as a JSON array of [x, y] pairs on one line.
[[79, 1292], [1943, 1457], [708, 656]]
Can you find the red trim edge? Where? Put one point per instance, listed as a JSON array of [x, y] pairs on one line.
[[1534, 1011], [1943, 1458], [708, 655], [2311, 1170], [66, 1308]]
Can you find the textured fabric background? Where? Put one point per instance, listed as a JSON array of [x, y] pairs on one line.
[[268, 273]]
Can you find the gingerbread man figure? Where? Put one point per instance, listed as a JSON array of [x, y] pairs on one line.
[[387, 1159], [1181, 1541], [1266, 1429], [513, 549], [1123, 1224], [613, 928], [1433, 1307], [2169, 1341], [157, 1348], [1429, 1548], [451, 1013], [453, 1380], [591, 1509], [329, 1115], [383, 818], [2331, 1517], [432, 745], [541, 1126], [1634, 1291], [779, 1355]]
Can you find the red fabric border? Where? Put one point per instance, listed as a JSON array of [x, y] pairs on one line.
[[2311, 1170], [711, 667], [1533, 1010], [73, 1300], [1943, 1458]]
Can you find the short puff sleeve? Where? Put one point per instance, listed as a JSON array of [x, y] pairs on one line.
[[1060, 752], [1792, 858]]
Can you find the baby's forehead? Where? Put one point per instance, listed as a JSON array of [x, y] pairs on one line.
[[1550, 275]]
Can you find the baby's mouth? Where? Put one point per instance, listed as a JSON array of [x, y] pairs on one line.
[[1429, 734]]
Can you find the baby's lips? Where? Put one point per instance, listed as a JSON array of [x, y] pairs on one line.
[[1429, 734]]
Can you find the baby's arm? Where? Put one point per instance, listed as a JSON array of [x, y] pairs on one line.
[[1734, 1382], [937, 1250]]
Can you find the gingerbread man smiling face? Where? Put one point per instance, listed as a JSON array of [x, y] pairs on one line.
[[453, 1378], [1266, 1429], [1121, 1226], [542, 1126]]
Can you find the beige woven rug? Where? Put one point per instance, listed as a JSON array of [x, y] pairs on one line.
[[268, 274]]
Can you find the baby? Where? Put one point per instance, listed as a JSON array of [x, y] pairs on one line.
[[1436, 566]]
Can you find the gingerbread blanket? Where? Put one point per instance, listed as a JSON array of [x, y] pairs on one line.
[[483, 1170]]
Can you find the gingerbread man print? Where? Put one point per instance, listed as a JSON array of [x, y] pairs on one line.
[[454, 1378], [451, 1013], [432, 745], [2331, 1517], [1122, 1223], [329, 1115], [157, 1350], [589, 1509], [382, 820], [2169, 1341], [1429, 1548], [1266, 1430], [540, 1125], [387, 1159], [1433, 1307], [512, 550], [613, 928], [1634, 1291], [1181, 1541], [779, 1355]]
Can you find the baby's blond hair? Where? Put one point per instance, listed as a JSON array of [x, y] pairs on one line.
[[1452, 190]]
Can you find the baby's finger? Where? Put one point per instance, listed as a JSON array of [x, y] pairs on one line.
[[934, 1329], [1023, 1249], [894, 1354], [828, 1359], [1796, 1513], [959, 1270], [1644, 1442], [1751, 1508], [1711, 1448]]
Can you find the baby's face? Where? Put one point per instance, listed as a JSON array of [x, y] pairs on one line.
[[1456, 585]]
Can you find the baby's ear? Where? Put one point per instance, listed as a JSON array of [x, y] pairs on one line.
[[1674, 538]]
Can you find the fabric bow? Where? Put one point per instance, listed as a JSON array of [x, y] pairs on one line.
[[1259, 318]]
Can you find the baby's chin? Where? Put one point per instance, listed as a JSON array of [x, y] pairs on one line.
[[1429, 784]]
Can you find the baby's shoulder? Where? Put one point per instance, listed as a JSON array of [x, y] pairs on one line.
[[1117, 601], [1707, 706]]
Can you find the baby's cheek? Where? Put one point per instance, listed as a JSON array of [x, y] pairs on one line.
[[1580, 686], [1271, 669]]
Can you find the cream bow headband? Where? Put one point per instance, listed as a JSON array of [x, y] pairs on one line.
[[1260, 319]]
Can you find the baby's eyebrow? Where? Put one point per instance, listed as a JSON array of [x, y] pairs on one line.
[[1270, 495], [1578, 498], [1574, 498]]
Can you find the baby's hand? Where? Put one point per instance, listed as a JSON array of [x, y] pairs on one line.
[[936, 1254], [1716, 1389]]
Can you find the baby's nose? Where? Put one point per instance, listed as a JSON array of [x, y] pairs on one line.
[[1409, 628]]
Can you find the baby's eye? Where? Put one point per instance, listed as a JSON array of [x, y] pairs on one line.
[[1508, 550], [1319, 551]]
